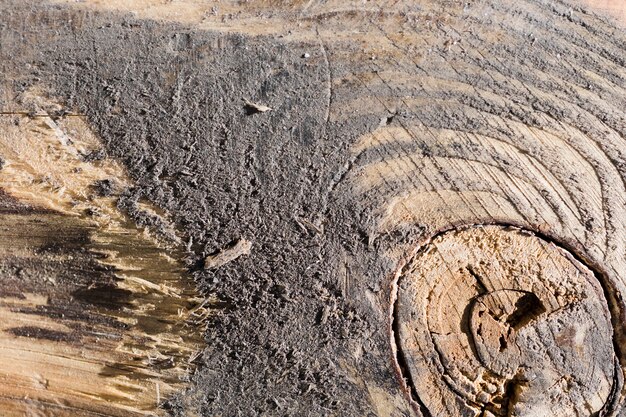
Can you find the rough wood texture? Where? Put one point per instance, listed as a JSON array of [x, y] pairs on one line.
[[614, 8], [98, 316], [303, 159], [492, 321]]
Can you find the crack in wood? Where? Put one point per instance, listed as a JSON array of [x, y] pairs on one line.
[[518, 304], [401, 362]]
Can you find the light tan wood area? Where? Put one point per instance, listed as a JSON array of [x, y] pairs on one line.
[[495, 321], [614, 8], [97, 316]]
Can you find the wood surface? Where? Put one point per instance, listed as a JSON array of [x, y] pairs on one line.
[[614, 8], [510, 324], [464, 253], [99, 317]]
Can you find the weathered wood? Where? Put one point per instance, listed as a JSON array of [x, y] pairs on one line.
[[493, 321], [617, 9], [98, 316], [404, 208]]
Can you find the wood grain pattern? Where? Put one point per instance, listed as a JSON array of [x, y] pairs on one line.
[[492, 321], [437, 201], [99, 316], [482, 140], [615, 8]]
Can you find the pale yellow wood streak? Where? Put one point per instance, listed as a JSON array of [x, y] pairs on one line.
[[385, 135], [255, 17], [267, 17], [45, 166], [44, 163], [444, 208]]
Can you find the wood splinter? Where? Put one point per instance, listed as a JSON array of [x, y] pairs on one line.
[[242, 247], [97, 316]]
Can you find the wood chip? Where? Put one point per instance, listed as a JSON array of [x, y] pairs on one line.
[[252, 108], [242, 247]]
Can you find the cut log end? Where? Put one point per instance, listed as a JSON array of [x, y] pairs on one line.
[[498, 322]]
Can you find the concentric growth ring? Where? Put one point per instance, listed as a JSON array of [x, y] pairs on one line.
[[495, 321]]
